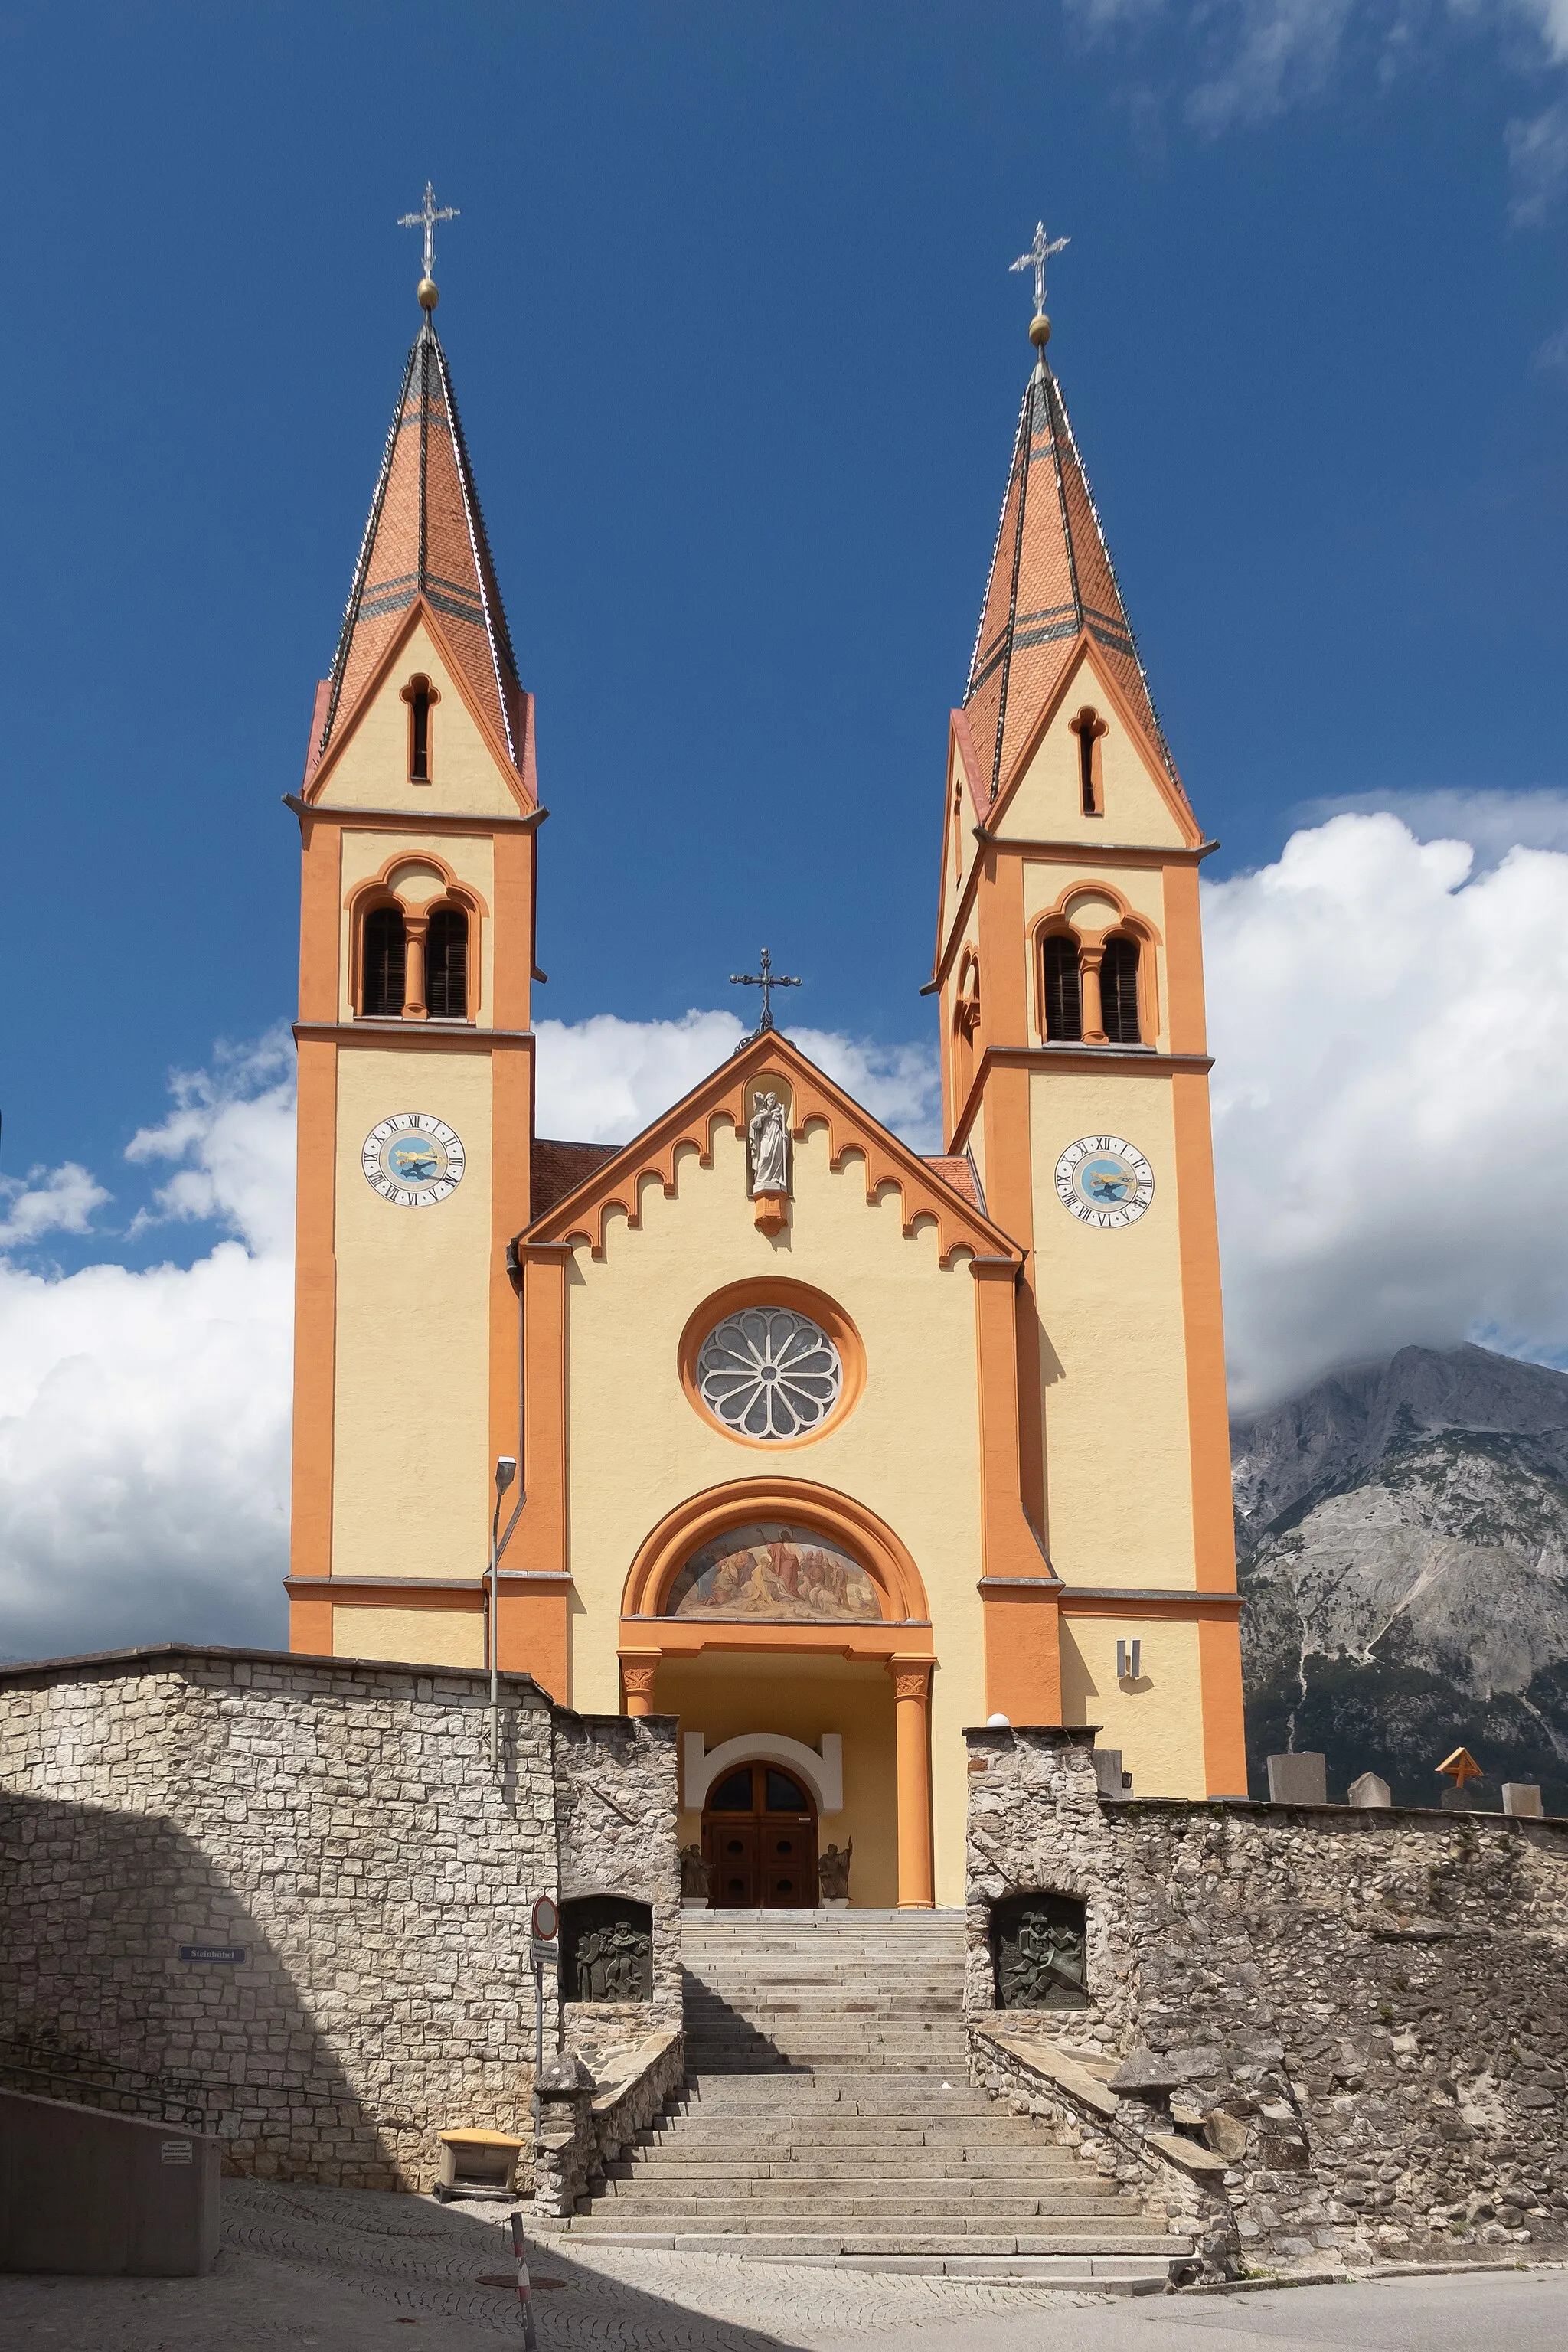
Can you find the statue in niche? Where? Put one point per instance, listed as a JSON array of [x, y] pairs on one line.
[[767, 1146], [833, 1873], [695, 1875], [1038, 1943], [606, 1949]]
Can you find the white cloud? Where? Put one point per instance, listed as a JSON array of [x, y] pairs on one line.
[[603, 1079], [144, 1415], [1552, 356], [1390, 1113], [1491, 823], [1538, 161], [1244, 62], [49, 1201]]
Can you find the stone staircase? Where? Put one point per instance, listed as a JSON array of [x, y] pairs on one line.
[[827, 2116]]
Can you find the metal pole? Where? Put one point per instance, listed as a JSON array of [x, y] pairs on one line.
[[538, 2029], [505, 1471], [494, 1645]]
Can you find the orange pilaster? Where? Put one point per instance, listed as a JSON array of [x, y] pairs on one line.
[[1023, 1649], [912, 1713], [533, 1632]]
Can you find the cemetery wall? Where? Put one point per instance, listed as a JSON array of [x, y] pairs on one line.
[[1365, 2013], [286, 1899]]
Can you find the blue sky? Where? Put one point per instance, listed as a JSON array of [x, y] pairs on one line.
[[729, 317]]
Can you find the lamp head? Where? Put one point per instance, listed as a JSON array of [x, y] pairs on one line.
[[505, 1471]]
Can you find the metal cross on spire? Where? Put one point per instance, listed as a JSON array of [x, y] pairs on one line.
[[1039, 253], [767, 980], [426, 218]]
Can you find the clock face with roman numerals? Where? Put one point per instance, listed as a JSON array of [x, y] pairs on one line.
[[1103, 1180], [414, 1159]]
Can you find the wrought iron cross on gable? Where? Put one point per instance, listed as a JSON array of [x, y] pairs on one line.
[[767, 980], [426, 218]]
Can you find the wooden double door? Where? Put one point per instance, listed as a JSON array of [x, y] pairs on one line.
[[759, 1834]]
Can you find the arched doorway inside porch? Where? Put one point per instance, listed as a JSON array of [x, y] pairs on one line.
[[759, 1834]]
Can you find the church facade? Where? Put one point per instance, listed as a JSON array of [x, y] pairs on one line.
[[828, 1448]]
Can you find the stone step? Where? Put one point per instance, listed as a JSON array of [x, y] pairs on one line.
[[906, 2160], [959, 2199], [1101, 2275], [847, 2235]]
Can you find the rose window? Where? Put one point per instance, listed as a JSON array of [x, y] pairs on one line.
[[769, 1373]]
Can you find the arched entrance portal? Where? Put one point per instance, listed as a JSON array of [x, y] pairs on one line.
[[759, 1834]]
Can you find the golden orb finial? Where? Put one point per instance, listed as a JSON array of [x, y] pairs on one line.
[[429, 293], [1039, 329]]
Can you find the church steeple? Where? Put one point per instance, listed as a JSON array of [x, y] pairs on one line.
[[1052, 583], [425, 540]]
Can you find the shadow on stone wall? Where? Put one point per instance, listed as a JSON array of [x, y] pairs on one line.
[[98, 2005]]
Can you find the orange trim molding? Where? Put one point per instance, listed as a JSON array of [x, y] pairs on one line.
[[839, 1518], [584, 1214]]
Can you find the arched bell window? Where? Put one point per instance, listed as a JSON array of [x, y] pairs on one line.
[[1063, 989], [1119, 993], [447, 965], [386, 959]]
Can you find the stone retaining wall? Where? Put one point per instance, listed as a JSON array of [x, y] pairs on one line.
[[1363, 2012], [339, 1824]]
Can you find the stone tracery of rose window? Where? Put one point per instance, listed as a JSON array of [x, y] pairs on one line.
[[769, 1373]]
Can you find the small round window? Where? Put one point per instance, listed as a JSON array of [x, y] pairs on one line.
[[768, 1372]]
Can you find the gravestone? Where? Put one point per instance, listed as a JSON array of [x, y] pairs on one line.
[[1522, 1799], [1299, 1780], [1112, 1781], [1369, 1790]]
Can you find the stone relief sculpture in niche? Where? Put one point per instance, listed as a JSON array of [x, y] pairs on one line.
[[833, 1873], [772, 1571], [1038, 1950], [606, 1949], [767, 1146]]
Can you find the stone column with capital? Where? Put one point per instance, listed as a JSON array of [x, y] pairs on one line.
[[415, 930], [1089, 962], [912, 1714]]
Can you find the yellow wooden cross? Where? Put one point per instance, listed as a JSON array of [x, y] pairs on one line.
[[1460, 1767]]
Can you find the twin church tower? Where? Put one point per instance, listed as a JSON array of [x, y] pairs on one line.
[[828, 1448]]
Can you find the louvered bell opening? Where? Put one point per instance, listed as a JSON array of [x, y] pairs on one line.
[[1119, 992], [1063, 997], [447, 965], [385, 954]]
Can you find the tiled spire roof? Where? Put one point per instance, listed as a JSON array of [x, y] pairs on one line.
[[426, 537], [1052, 578]]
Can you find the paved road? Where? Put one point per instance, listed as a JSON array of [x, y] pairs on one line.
[[350, 2270]]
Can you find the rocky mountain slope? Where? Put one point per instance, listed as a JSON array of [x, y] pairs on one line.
[[1401, 1533]]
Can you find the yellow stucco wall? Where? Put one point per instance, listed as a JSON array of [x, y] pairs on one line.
[[1118, 1464], [414, 1637], [411, 1471], [1048, 803], [372, 769], [908, 1450], [802, 1698], [1157, 1723], [471, 858]]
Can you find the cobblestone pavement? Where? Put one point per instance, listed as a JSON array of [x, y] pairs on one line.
[[346, 2271]]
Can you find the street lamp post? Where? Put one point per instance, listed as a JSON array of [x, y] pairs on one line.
[[505, 1471]]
